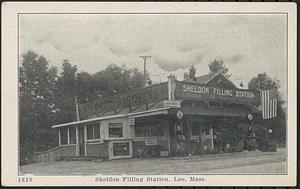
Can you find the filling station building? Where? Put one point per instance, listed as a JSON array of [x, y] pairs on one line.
[[174, 118]]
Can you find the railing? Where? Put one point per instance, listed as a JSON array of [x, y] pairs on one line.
[[49, 155], [153, 93]]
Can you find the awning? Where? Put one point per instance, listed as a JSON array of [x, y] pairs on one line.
[[149, 113], [130, 115], [89, 120]]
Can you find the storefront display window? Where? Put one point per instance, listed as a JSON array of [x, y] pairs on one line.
[[147, 130], [199, 128], [115, 129], [142, 131], [156, 130]]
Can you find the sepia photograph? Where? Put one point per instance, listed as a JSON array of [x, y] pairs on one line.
[[163, 96]]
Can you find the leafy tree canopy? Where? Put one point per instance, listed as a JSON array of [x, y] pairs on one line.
[[36, 92], [48, 98], [115, 79], [191, 75], [66, 92], [217, 66], [278, 124], [263, 82]]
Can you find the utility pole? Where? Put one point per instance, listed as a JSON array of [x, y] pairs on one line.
[[77, 110], [145, 59]]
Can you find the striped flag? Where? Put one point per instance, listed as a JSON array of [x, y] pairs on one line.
[[269, 103]]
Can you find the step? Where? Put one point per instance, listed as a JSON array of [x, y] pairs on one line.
[[78, 158]]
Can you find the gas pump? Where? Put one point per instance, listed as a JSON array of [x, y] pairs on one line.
[[180, 138], [251, 138], [271, 143]]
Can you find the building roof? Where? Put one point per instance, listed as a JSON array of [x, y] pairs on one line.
[[203, 79], [142, 110], [206, 79]]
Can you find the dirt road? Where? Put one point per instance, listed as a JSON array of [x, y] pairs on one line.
[[236, 163]]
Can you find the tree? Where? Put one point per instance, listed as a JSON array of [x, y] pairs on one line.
[[115, 79], [136, 78], [85, 89], [37, 107], [47, 98], [191, 75], [263, 82], [278, 124], [66, 92], [218, 66]]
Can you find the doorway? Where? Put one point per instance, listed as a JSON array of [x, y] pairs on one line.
[[178, 137]]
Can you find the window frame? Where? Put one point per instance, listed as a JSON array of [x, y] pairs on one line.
[[69, 133], [121, 127], [212, 106], [150, 130], [202, 125], [93, 125], [60, 136], [90, 126], [68, 137]]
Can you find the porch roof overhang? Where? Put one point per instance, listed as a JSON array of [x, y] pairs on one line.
[[131, 115]]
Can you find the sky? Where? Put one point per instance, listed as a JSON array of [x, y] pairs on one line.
[[248, 44]]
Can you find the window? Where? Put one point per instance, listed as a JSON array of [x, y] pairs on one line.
[[64, 136], [195, 127], [142, 131], [72, 133], [89, 131], [97, 131], [214, 104], [199, 128], [115, 129], [67, 135], [156, 130], [93, 131], [149, 130]]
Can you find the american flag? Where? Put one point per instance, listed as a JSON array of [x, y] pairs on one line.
[[269, 103]]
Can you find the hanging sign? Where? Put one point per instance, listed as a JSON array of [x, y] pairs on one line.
[[250, 117], [131, 121], [172, 103], [179, 115], [150, 142]]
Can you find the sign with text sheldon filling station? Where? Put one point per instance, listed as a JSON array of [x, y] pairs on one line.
[[195, 91]]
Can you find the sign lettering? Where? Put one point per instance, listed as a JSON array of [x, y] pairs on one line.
[[186, 90], [150, 142], [217, 91], [172, 103], [134, 98]]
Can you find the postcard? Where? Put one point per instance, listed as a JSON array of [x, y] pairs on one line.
[[148, 94]]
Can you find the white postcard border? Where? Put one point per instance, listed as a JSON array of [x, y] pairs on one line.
[[9, 122]]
